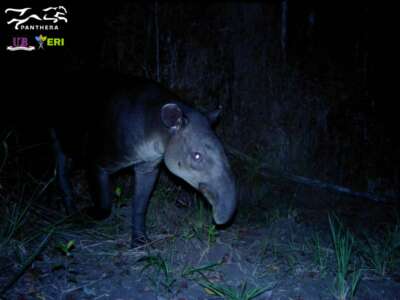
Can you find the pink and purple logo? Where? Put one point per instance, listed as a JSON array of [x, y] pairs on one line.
[[20, 43]]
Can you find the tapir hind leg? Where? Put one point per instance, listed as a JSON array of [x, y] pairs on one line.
[[145, 178], [62, 175], [99, 184]]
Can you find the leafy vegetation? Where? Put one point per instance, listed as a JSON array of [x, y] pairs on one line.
[[347, 278]]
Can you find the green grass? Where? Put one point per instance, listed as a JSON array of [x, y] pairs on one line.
[[165, 191], [199, 224], [272, 215], [347, 278], [202, 216], [66, 248], [319, 254], [163, 197], [13, 219], [14, 208], [382, 255], [232, 293], [212, 234], [189, 272], [163, 271]]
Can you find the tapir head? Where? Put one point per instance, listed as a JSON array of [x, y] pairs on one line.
[[195, 154]]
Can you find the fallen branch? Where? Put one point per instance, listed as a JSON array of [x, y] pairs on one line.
[[316, 183]]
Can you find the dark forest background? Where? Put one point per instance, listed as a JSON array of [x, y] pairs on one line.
[[300, 81]]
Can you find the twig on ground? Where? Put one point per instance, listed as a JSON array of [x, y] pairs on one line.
[[166, 237], [103, 276]]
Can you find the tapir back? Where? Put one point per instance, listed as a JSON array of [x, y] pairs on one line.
[[107, 120]]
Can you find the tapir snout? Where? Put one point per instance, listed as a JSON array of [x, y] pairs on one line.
[[221, 194]]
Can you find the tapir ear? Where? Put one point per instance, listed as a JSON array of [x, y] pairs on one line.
[[213, 116], [172, 116]]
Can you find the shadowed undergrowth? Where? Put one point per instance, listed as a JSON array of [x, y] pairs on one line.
[[276, 248]]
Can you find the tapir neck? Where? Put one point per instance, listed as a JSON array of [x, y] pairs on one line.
[[133, 130]]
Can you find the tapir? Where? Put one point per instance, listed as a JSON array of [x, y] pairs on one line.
[[136, 123]]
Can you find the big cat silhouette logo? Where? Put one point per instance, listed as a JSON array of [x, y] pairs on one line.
[[48, 18]]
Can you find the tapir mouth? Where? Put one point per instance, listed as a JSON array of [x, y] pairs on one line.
[[223, 209]]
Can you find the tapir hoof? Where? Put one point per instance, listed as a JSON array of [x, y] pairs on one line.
[[97, 214], [139, 240]]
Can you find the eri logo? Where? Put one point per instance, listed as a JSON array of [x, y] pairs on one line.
[[49, 41], [40, 39]]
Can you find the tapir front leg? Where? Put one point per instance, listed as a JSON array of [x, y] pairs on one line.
[[145, 178]]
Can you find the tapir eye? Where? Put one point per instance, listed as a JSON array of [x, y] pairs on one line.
[[196, 156]]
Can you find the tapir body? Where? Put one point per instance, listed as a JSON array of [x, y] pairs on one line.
[[129, 122]]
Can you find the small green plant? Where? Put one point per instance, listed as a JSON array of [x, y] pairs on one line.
[[190, 271], [199, 224], [212, 234], [66, 248], [119, 195], [347, 280], [319, 255], [120, 202], [291, 260], [383, 255], [162, 268], [165, 192], [272, 216], [163, 197], [188, 233], [230, 293], [201, 216]]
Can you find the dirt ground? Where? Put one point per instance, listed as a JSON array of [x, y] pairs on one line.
[[278, 247]]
